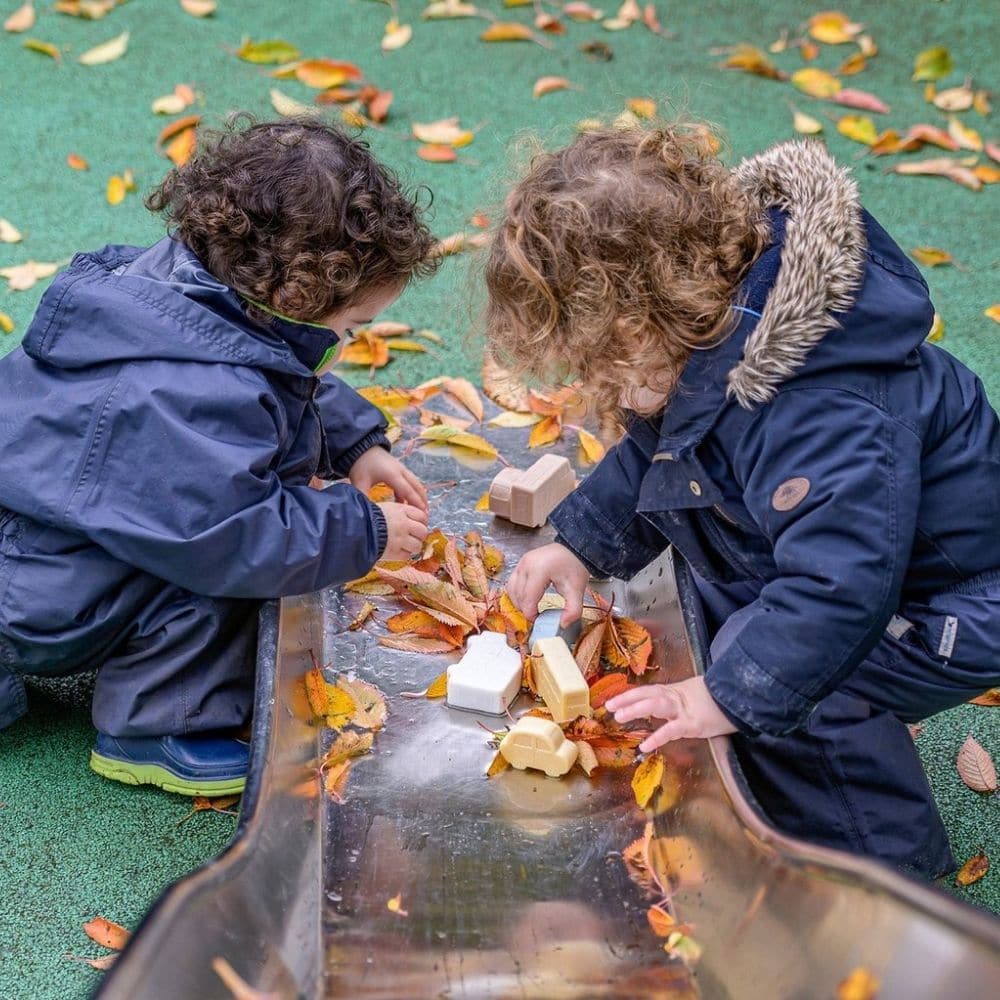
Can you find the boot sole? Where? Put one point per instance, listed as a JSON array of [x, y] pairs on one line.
[[153, 774]]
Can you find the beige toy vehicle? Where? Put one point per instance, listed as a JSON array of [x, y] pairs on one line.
[[538, 743]]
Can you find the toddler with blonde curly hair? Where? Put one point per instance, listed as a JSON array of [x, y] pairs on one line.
[[829, 478]]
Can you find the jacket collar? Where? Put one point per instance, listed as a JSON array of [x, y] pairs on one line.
[[311, 343]]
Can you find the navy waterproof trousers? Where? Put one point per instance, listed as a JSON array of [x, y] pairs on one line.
[[851, 777]]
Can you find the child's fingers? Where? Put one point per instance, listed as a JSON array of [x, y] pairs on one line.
[[644, 709], [574, 602], [417, 514], [667, 733], [629, 697]]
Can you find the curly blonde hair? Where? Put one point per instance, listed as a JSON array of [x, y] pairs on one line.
[[616, 257]]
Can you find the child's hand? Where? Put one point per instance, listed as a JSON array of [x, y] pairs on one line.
[[377, 466], [687, 705], [407, 530], [538, 568]]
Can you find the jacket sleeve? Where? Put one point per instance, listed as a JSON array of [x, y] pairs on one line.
[[182, 483], [841, 551], [599, 522], [351, 424]]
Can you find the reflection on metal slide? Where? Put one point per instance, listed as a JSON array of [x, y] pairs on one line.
[[514, 886]]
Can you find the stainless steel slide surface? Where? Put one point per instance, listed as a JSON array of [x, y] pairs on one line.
[[514, 886]]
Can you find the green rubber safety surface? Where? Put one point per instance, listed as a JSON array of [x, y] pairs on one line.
[[75, 844]]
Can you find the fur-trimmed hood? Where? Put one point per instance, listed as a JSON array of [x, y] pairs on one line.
[[822, 261]]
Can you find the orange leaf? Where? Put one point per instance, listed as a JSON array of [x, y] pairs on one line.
[[176, 127], [991, 697], [548, 431], [21, 20], [322, 74], [933, 135], [407, 621], [378, 106], [438, 688], [507, 31], [548, 84], [975, 767], [437, 153], [367, 610], [973, 869], [637, 641], [647, 778], [591, 450], [660, 922], [497, 766], [335, 780], [606, 687], [753, 60], [106, 933], [642, 107], [464, 392], [859, 985], [77, 162]]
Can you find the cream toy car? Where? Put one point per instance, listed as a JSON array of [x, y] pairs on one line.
[[540, 744]]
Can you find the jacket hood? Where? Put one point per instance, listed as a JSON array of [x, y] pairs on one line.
[[124, 303], [822, 269]]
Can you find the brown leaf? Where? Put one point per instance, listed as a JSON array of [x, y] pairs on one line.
[[102, 964], [991, 698], [586, 757], [503, 388], [933, 135], [367, 610], [975, 767], [202, 803], [106, 933], [587, 651], [637, 641], [548, 84], [237, 986], [973, 869]]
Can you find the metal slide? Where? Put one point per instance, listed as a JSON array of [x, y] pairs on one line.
[[514, 887]]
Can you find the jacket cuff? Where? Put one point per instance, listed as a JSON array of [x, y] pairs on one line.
[[594, 571], [374, 439], [754, 700], [611, 550], [381, 529]]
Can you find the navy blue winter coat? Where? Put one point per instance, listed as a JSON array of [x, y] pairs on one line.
[[823, 454], [146, 423]]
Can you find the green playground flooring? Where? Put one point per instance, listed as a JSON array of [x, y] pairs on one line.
[[75, 845]]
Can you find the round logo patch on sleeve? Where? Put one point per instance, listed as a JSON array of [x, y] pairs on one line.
[[790, 493]]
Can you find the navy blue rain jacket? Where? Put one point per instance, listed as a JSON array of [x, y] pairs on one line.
[[146, 416], [823, 454]]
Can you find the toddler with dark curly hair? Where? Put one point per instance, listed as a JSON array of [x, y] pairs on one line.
[[831, 480], [167, 413]]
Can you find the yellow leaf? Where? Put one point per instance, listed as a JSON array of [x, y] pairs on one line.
[[340, 707], [407, 345], [445, 434], [511, 418], [642, 107], [483, 503], [395, 905], [853, 64], [8, 233], [322, 74], [647, 778], [833, 28], [751, 60], [931, 256], [936, 331], [859, 985], [507, 31], [986, 173], [815, 82], [270, 51], [446, 132], [860, 128], [335, 779], [169, 104], [21, 20], [396, 36], [199, 8], [7, 325], [498, 765], [116, 190], [438, 688], [591, 449], [45, 48], [967, 138], [932, 64], [805, 124], [106, 52], [385, 399], [993, 312], [546, 432], [981, 102]]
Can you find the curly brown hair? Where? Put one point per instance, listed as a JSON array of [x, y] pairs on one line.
[[616, 257], [296, 214]]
